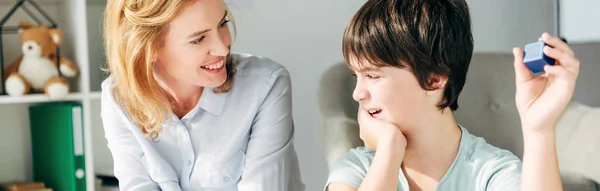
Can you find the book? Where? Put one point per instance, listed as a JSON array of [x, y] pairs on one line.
[[57, 145], [22, 186]]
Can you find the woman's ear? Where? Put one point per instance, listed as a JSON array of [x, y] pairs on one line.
[[154, 58]]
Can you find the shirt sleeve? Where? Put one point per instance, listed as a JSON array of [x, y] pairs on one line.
[[125, 150], [271, 161], [349, 169], [504, 173]]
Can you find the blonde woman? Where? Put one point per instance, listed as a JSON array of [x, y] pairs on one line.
[[182, 113]]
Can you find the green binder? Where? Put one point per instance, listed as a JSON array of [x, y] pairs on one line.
[[57, 145]]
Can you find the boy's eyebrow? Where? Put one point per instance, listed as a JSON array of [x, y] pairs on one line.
[[365, 69]]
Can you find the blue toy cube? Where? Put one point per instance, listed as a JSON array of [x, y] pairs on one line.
[[534, 57]]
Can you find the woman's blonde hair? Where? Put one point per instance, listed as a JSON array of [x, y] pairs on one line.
[[133, 32]]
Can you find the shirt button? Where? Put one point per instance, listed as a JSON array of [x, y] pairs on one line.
[[189, 162], [226, 179]]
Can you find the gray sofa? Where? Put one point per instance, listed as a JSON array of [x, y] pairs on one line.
[[486, 109]]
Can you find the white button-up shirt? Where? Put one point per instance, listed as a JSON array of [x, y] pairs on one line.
[[240, 140]]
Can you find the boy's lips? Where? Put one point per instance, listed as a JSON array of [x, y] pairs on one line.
[[373, 111]]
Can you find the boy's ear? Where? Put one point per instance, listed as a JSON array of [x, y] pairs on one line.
[[437, 84]]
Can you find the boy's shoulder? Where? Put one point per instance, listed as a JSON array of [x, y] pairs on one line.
[[487, 164], [360, 157], [351, 168], [484, 166], [476, 148]]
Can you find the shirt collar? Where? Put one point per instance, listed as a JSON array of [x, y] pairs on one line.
[[212, 102]]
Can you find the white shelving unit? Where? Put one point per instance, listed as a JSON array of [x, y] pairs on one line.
[[79, 21]]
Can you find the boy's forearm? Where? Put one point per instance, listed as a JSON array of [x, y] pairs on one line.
[[383, 173], [540, 162]]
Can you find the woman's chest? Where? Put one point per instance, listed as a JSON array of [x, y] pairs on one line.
[[207, 152]]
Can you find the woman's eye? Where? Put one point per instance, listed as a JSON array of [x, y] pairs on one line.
[[224, 23], [198, 40]]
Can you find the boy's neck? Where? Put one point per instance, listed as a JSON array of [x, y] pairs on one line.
[[432, 146]]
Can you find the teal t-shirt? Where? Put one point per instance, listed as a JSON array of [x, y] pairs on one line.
[[478, 166]]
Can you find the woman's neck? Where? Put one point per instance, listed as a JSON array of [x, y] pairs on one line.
[[183, 97]]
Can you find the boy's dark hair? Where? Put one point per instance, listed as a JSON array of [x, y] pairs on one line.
[[428, 37]]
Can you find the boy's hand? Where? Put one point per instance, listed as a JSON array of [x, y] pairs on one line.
[[377, 133], [541, 100]]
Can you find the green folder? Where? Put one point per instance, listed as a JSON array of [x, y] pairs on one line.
[[57, 145]]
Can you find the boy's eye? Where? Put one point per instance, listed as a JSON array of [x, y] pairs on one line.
[[369, 76], [372, 76]]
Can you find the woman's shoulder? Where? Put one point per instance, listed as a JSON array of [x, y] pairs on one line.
[[107, 84], [107, 95], [259, 74], [107, 89], [253, 65]]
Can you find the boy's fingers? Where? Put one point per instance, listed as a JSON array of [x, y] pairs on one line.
[[557, 43], [522, 73]]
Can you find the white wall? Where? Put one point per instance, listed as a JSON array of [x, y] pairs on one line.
[[95, 9], [580, 20], [498, 26]]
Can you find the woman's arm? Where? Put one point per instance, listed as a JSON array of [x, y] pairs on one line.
[[125, 149], [271, 161]]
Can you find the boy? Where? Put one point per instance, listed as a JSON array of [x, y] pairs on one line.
[[411, 59]]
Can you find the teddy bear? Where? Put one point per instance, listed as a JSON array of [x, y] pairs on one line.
[[36, 69]]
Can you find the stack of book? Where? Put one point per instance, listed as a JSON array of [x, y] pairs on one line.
[[24, 186]]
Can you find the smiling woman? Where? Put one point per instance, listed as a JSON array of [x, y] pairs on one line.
[[173, 87]]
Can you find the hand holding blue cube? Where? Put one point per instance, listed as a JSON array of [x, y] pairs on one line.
[[534, 57]]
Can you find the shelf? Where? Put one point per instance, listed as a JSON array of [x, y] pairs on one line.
[[95, 95], [37, 98]]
